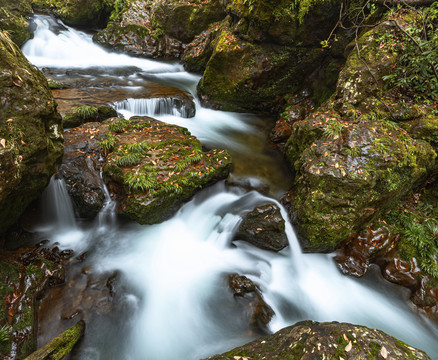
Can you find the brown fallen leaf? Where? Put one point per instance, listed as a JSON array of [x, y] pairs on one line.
[[384, 352]]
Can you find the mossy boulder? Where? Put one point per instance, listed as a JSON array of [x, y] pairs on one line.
[[348, 171], [14, 18], [248, 297], [282, 22], [150, 167], [184, 19], [261, 52], [360, 152], [30, 133], [157, 167], [89, 14], [312, 340], [131, 30], [241, 75]]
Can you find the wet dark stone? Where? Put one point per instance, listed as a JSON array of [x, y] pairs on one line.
[[263, 227], [249, 296]]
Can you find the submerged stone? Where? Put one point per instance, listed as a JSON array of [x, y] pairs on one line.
[[249, 297], [263, 227]]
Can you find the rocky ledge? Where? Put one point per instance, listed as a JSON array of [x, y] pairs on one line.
[[150, 167]]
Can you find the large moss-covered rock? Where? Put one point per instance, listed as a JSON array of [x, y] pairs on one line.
[[348, 171], [157, 167], [132, 30], [243, 75], [353, 160], [184, 19], [88, 14], [150, 167], [30, 133], [14, 16], [361, 85], [312, 340], [261, 52]]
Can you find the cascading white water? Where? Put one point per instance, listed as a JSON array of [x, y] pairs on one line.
[[151, 107], [68, 48], [60, 212], [175, 272]]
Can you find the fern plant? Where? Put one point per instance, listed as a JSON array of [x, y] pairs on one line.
[[119, 125], [107, 143], [85, 112]]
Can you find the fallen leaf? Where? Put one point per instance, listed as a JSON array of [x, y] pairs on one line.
[[384, 352], [348, 347], [3, 142], [259, 229], [345, 337]]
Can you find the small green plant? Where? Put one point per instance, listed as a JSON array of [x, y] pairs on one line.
[[140, 148], [333, 129], [85, 112], [353, 151], [141, 180], [418, 229], [5, 333], [416, 71], [129, 159], [119, 125], [107, 143]]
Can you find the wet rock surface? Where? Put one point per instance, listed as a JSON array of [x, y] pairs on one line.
[[249, 297], [313, 340], [263, 227], [30, 133], [81, 168]]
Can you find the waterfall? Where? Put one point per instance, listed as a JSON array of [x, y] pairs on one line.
[[57, 206], [154, 106], [174, 274], [69, 48]]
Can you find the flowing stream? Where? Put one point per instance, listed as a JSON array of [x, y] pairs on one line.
[[171, 299]]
